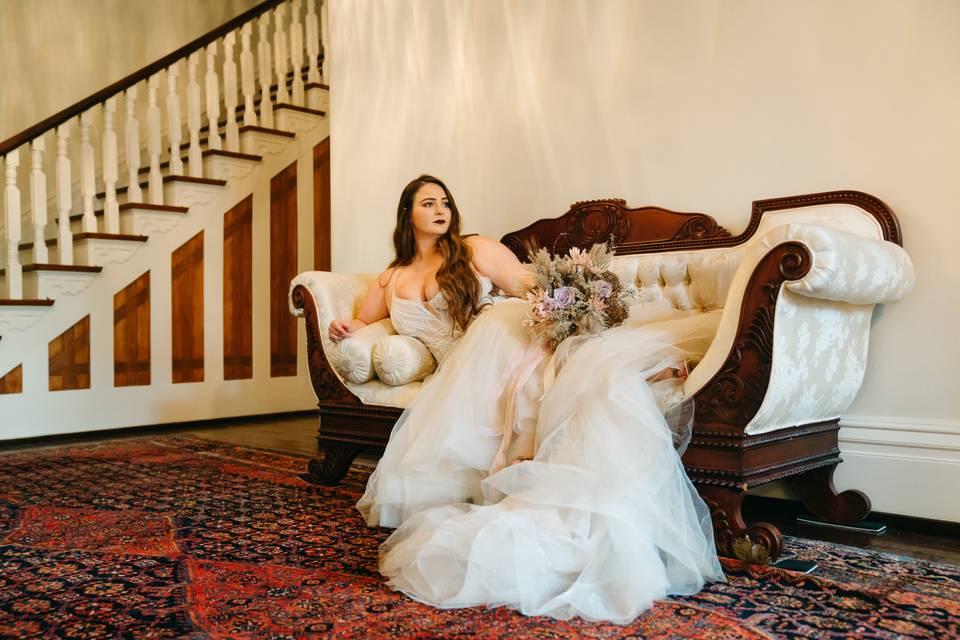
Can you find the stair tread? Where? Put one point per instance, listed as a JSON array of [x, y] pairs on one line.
[[26, 246], [169, 178], [207, 153], [6, 302], [296, 107], [246, 127], [169, 208], [276, 132], [77, 268], [126, 237]]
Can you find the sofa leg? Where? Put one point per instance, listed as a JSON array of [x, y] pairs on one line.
[[817, 493], [757, 544], [330, 469]]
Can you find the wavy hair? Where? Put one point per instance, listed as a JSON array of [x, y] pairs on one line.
[[456, 278]]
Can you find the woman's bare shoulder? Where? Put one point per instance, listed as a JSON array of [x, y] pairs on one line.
[[384, 278], [483, 244]]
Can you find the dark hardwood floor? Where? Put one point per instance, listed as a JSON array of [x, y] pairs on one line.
[[296, 435]]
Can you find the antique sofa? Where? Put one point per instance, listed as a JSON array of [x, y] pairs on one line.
[[797, 290]]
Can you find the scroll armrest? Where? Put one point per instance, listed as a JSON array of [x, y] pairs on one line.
[[847, 267], [320, 297], [791, 344]]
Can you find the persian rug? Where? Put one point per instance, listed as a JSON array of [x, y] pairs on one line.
[[180, 537]]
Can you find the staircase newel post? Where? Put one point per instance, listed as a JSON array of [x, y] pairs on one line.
[[313, 42], [111, 209], [247, 76], [194, 117], [38, 201], [280, 54], [155, 141], [87, 186], [296, 51], [174, 120], [213, 99], [231, 133], [266, 71], [132, 139], [11, 201], [325, 37], [64, 197]]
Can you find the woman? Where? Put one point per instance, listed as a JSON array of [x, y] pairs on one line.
[[603, 520]]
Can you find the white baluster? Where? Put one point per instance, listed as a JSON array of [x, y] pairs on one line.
[[213, 99], [38, 202], [280, 56], [111, 210], [296, 52], [87, 186], [325, 37], [155, 141], [313, 42], [11, 200], [132, 138], [64, 196], [194, 116], [247, 76], [231, 133], [174, 122], [266, 71]]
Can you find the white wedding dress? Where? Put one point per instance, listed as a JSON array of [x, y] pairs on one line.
[[603, 520]]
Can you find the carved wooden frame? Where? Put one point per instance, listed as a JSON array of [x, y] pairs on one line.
[[722, 460]]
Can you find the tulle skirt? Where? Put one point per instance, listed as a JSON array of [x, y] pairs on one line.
[[602, 522]]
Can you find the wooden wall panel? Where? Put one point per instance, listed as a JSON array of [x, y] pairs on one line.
[[321, 206], [238, 291], [186, 265], [69, 357], [283, 268], [12, 382], [131, 333]]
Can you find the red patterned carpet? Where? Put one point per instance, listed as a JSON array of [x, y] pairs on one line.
[[187, 538]]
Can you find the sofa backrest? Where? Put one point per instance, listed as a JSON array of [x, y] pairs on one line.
[[687, 258]]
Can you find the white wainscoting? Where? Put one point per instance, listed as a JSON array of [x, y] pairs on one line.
[[908, 466]]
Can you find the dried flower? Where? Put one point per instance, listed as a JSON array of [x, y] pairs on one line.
[[574, 294]]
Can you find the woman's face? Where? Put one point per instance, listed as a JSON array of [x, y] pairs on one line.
[[431, 210]]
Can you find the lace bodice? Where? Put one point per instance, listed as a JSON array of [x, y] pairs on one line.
[[429, 321]]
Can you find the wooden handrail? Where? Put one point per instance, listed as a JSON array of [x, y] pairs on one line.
[[57, 119]]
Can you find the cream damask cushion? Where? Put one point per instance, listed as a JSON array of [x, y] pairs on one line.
[[400, 360], [353, 357]]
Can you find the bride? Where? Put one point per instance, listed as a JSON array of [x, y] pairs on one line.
[[549, 485]]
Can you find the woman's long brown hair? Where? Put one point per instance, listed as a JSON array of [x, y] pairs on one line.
[[456, 278]]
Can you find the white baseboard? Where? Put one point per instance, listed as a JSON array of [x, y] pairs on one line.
[[908, 466]]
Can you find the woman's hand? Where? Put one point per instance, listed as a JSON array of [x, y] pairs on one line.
[[342, 329]]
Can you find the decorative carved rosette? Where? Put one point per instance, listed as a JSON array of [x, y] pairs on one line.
[[700, 227], [591, 222]]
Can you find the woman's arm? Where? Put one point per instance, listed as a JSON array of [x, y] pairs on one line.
[[373, 308], [498, 263]]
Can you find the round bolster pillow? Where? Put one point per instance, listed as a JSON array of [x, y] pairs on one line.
[[399, 360], [353, 357]]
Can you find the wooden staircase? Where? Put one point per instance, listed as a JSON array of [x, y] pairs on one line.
[[97, 231]]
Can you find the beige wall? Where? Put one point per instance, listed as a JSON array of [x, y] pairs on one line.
[[525, 107], [56, 52]]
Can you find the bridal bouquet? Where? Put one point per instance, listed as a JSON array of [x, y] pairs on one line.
[[575, 294]]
